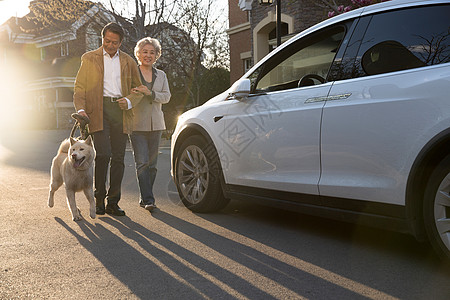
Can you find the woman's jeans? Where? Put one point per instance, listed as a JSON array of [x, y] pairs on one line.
[[145, 148]]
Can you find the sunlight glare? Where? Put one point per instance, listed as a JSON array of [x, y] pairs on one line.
[[12, 8], [13, 94], [12, 74]]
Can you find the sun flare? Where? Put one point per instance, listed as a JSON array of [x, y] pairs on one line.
[[12, 8], [12, 71]]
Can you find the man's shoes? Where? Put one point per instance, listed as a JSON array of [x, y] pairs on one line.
[[100, 207], [114, 209], [100, 210], [148, 207]]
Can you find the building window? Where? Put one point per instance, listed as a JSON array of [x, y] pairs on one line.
[[65, 49], [247, 64], [43, 53]]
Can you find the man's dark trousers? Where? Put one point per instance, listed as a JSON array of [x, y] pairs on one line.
[[110, 146]]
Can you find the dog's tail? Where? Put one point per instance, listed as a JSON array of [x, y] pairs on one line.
[[64, 147]]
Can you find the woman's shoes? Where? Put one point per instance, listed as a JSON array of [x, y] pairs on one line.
[[149, 207]]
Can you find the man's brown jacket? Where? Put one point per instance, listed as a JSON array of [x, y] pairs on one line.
[[88, 93]]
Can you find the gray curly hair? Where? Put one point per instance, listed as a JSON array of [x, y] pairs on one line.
[[148, 41]]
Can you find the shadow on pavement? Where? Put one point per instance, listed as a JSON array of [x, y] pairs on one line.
[[139, 273], [160, 262]]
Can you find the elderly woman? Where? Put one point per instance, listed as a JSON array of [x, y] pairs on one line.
[[148, 121]]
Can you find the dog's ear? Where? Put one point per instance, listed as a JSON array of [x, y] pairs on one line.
[[72, 141], [89, 141]]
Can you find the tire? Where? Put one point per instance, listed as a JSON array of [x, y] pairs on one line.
[[198, 176], [436, 209]]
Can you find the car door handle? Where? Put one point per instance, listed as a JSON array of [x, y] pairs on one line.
[[328, 98], [217, 118]]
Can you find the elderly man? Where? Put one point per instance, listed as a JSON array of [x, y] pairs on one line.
[[103, 94]]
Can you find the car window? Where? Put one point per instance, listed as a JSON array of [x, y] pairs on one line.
[[343, 65], [308, 59], [405, 39]]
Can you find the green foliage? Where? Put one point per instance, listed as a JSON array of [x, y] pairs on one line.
[[213, 82]]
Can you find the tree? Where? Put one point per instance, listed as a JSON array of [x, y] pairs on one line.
[[55, 13], [214, 80], [192, 37], [339, 7], [196, 19]]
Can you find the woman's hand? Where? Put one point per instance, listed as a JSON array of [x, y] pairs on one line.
[[142, 89]]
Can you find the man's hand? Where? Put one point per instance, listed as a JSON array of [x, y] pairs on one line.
[[123, 104], [83, 113]]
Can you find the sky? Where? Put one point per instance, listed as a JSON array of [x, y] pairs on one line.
[[11, 8]]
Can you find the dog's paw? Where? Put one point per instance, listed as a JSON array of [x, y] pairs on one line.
[[50, 202], [77, 218], [92, 212]]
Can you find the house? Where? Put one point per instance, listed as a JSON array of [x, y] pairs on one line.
[[252, 29], [40, 56]]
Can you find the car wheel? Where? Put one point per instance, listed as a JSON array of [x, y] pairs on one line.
[[437, 209], [198, 176]]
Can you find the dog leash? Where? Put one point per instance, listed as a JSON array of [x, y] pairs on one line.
[[81, 122]]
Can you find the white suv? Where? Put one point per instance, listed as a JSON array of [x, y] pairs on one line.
[[350, 120]]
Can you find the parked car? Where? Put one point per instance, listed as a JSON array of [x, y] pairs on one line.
[[349, 119]]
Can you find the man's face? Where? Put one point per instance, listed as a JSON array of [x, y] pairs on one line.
[[111, 43]]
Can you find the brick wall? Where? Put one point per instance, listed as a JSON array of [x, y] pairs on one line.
[[305, 13], [239, 42], [236, 15]]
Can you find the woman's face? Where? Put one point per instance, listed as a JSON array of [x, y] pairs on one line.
[[147, 55]]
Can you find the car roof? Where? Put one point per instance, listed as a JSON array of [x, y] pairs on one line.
[[395, 4], [371, 9]]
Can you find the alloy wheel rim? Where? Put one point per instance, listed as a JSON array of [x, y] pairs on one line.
[[193, 174], [442, 211]]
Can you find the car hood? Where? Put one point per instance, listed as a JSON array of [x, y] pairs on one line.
[[221, 97]]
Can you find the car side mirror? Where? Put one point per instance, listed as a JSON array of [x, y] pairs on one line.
[[240, 89]]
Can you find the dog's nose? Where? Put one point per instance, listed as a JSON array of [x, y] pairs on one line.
[[74, 156]]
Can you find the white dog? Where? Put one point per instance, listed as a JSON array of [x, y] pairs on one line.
[[73, 166]]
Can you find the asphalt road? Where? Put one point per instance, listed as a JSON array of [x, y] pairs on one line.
[[244, 252]]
